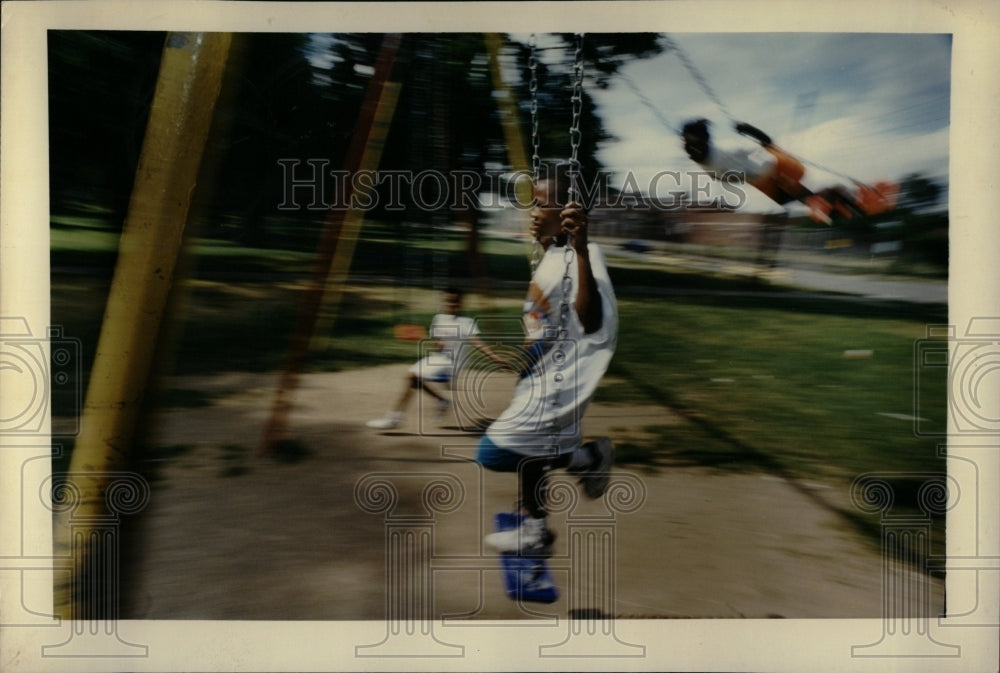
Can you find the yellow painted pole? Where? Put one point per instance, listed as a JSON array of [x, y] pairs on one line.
[[188, 85]]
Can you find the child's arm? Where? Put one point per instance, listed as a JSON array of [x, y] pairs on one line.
[[588, 297], [753, 132], [503, 363]]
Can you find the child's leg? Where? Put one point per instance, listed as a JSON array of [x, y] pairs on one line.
[[412, 383], [532, 537], [783, 183], [841, 202], [492, 457], [878, 198], [434, 367], [535, 472], [532, 472], [423, 385]]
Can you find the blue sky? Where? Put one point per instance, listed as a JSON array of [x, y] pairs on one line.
[[871, 106]]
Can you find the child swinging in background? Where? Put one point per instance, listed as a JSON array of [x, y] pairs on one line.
[[778, 175], [452, 332]]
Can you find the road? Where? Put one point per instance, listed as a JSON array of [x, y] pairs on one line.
[[872, 286]]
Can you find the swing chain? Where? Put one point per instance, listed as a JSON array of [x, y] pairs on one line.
[[575, 135], [560, 335], [646, 100], [536, 159], [697, 76], [561, 358]]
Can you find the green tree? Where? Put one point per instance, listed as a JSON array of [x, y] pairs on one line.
[[918, 191], [100, 86], [297, 96]]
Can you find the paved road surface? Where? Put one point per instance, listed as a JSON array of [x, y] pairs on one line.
[[872, 286]]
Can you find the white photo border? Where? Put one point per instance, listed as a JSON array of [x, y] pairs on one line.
[[731, 645]]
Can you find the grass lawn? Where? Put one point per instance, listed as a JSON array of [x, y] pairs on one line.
[[765, 383], [745, 381]]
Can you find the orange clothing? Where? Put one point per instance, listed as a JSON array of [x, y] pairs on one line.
[[783, 182], [838, 202], [878, 198]]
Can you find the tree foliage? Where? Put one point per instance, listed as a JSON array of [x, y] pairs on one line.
[[919, 191], [297, 97], [100, 88]]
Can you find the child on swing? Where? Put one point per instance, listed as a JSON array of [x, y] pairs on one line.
[[541, 428], [778, 175], [451, 332]]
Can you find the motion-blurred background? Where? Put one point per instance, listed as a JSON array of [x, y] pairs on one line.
[[753, 340]]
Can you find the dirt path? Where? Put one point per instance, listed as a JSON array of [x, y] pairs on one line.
[[230, 534]]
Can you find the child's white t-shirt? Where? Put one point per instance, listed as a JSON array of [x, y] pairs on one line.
[[451, 335], [452, 332], [548, 404], [749, 164]]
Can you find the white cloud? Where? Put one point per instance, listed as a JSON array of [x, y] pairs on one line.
[[880, 103]]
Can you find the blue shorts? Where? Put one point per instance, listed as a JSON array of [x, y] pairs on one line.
[[492, 457]]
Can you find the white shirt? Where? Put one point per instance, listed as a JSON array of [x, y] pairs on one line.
[[751, 164], [452, 332], [548, 405]]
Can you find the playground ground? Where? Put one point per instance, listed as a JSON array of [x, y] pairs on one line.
[[231, 534]]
